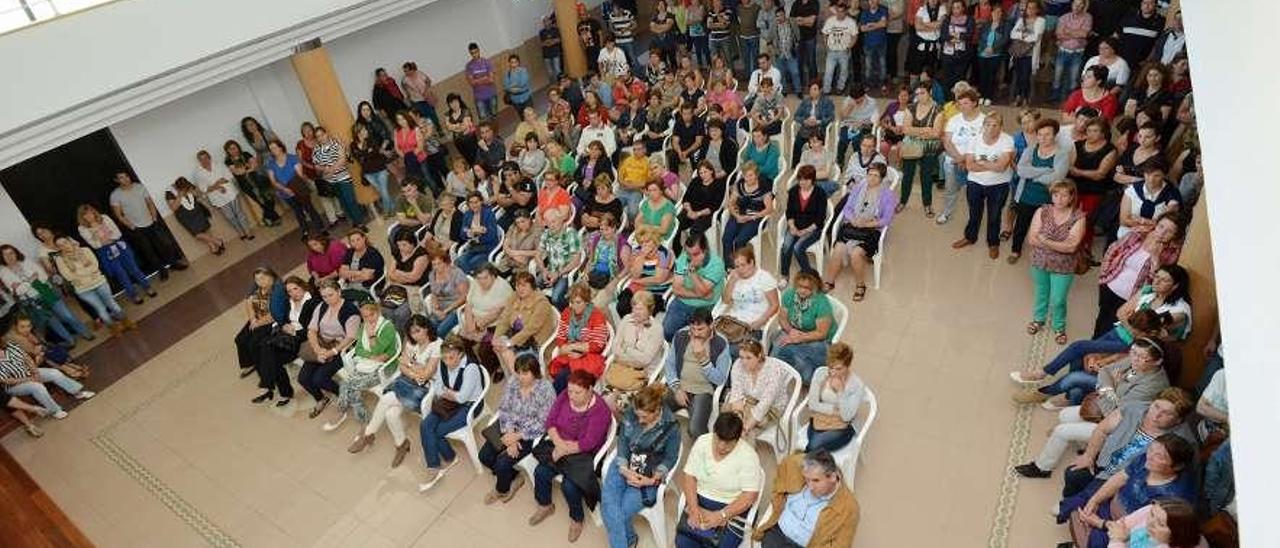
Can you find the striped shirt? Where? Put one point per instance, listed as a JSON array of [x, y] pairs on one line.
[[14, 365], [327, 155]]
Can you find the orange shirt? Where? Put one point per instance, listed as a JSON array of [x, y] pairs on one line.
[[549, 199]]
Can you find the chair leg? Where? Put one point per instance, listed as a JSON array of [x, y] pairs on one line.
[[469, 441], [875, 266], [658, 526]]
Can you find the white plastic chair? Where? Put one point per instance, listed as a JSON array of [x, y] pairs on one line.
[[386, 372], [846, 457], [775, 435], [655, 515], [757, 241], [749, 522], [467, 435], [528, 463]]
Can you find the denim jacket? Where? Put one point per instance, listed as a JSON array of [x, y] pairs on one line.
[[490, 237], [717, 371], [634, 438]]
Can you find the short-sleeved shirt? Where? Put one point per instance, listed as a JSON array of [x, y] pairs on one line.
[[284, 172], [328, 154], [686, 134], [550, 33], [559, 247], [479, 68], [652, 216], [964, 132], [1216, 392], [801, 8], [205, 178], [989, 153], [806, 318], [712, 271], [725, 479], [879, 36], [133, 204], [750, 296]]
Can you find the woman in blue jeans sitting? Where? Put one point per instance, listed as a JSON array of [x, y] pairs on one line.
[[480, 228], [456, 387], [30, 283], [807, 323], [750, 202], [648, 447], [834, 399], [1082, 378]]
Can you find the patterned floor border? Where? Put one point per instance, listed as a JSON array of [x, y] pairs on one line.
[[1020, 433], [170, 498]]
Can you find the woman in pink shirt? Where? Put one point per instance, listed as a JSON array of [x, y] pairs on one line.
[[324, 256]]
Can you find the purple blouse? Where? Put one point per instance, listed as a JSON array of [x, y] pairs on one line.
[[588, 428]]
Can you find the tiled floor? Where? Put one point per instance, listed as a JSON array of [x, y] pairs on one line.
[[174, 454]]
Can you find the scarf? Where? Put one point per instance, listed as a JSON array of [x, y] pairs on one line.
[[578, 323], [364, 333]]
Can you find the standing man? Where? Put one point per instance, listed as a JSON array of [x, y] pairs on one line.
[[1138, 33], [217, 184], [590, 35], [552, 52], [137, 213], [873, 23], [840, 31], [897, 27], [720, 31], [804, 13], [516, 83], [612, 62], [481, 76], [417, 85], [749, 32], [622, 22], [331, 161]]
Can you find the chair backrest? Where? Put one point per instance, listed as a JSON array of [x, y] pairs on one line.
[[841, 313], [608, 442], [486, 382], [869, 419]]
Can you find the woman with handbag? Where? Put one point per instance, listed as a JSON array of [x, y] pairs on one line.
[[750, 299], [922, 143], [581, 339], [41, 353], [449, 286], [868, 210], [30, 284], [637, 350], [1024, 51], [244, 167], [648, 447], [370, 152], [1166, 471], [282, 346], [807, 325], [456, 386], [294, 188], [757, 389], [417, 367], [114, 255], [79, 267], [485, 301], [750, 202], [334, 327], [375, 344], [522, 415], [805, 218], [577, 427], [721, 481], [834, 399], [266, 305]]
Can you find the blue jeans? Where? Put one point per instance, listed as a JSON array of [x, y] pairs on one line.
[[1076, 385], [427, 111], [1074, 353], [804, 357], [559, 290], [701, 50], [750, 49], [724, 48], [828, 440], [38, 391], [992, 198], [845, 136], [873, 69], [552, 64], [728, 539], [542, 476], [380, 182], [420, 169], [1022, 77], [956, 176], [66, 324], [835, 60], [628, 49], [807, 52], [445, 326], [789, 67], [1066, 73], [103, 303], [631, 201], [305, 212], [123, 268], [473, 257], [487, 108], [928, 165], [678, 314], [502, 465], [347, 199], [433, 429], [738, 235], [793, 246], [619, 503]]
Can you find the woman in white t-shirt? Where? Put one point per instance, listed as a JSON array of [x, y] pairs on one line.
[[989, 160], [750, 293], [418, 363]]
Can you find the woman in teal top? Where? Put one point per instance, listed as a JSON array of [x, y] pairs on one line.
[[765, 153], [657, 213], [376, 344], [808, 325]]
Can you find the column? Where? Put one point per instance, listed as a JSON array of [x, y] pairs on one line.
[[575, 61], [320, 83], [1197, 258]]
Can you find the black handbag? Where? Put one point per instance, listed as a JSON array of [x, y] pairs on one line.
[[493, 435], [326, 188], [284, 342]]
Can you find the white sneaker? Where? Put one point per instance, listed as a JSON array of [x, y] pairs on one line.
[[1017, 378], [942, 219], [60, 414], [331, 426], [433, 477], [85, 394]]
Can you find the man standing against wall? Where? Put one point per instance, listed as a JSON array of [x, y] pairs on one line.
[[217, 184], [840, 31], [481, 76], [417, 86], [137, 213], [623, 24], [749, 32], [804, 13], [552, 52]]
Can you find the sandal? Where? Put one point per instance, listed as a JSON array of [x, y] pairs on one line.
[[1060, 337], [898, 208], [859, 292], [1005, 235], [1013, 259], [928, 212], [1034, 327], [829, 286]]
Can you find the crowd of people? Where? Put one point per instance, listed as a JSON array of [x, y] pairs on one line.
[[599, 273]]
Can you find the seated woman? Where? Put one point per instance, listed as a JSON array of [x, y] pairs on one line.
[[750, 297], [750, 202], [363, 264], [1165, 471], [558, 159], [601, 202], [282, 346], [637, 350], [767, 108], [517, 192], [806, 217], [324, 257], [808, 325], [20, 376], [704, 197], [720, 150], [868, 210], [80, 266], [484, 303], [757, 389], [21, 410], [411, 263], [833, 401], [522, 416], [42, 353], [417, 367], [764, 153], [648, 266], [656, 212], [1139, 378], [480, 228], [449, 286], [532, 159], [1165, 522], [374, 346], [266, 305], [1083, 362], [527, 321], [553, 197], [461, 180], [30, 283], [334, 327], [456, 386], [446, 225], [822, 160], [594, 164], [720, 482], [648, 447], [581, 338], [577, 426], [519, 244]]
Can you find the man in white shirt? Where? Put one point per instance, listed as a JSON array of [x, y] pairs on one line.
[[597, 130], [764, 69], [217, 184], [960, 132], [841, 31], [612, 60]]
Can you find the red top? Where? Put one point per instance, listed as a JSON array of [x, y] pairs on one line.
[[1107, 105], [328, 262]]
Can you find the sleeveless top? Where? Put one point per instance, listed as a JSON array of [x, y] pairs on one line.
[[931, 146], [406, 265], [751, 202], [1047, 259], [1090, 161]]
